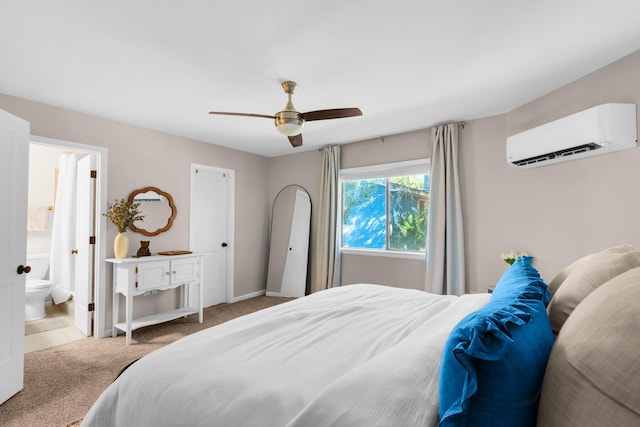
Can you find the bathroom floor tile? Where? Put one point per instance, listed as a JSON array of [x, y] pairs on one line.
[[42, 340]]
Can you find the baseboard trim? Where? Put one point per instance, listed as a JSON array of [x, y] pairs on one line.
[[273, 294], [247, 296], [107, 333]]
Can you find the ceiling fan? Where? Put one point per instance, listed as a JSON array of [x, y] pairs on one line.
[[290, 122]]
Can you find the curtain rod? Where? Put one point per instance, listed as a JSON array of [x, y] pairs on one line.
[[450, 123], [383, 137]]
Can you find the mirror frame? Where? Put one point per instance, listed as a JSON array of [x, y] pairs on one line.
[[174, 211]]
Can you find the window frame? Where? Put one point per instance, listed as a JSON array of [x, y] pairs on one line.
[[383, 170]]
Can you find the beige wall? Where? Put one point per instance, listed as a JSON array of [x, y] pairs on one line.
[[302, 169], [556, 213], [139, 157], [305, 168], [406, 273]]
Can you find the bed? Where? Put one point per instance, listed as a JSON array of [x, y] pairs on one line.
[[370, 355]]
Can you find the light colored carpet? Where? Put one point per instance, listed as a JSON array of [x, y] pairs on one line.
[[61, 383]]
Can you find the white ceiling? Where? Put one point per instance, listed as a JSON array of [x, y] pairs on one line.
[[408, 64]]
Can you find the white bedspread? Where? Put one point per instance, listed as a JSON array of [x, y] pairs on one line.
[[357, 355]]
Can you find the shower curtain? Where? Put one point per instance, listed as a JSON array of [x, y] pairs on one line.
[[63, 238]]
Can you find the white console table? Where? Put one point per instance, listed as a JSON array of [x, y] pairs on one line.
[[144, 275]]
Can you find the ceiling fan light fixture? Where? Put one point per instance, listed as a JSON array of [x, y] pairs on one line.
[[289, 123]]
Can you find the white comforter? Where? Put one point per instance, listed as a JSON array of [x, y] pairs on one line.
[[357, 355]]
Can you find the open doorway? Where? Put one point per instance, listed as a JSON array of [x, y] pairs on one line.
[[64, 225]]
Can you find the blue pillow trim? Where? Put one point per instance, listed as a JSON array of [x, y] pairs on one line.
[[486, 336], [521, 281], [489, 339]]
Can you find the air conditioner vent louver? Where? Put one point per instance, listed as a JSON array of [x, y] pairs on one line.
[[598, 130], [560, 153]]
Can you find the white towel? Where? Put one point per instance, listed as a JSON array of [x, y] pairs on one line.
[[37, 218]]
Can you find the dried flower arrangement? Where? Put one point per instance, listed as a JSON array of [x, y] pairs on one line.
[[122, 215]]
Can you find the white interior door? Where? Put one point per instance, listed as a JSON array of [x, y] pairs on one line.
[[14, 140], [85, 251], [211, 230]]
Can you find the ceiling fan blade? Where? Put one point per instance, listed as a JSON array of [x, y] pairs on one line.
[[224, 113], [296, 141], [336, 113]]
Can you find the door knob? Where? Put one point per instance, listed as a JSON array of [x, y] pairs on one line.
[[22, 269], [74, 252], [224, 245]]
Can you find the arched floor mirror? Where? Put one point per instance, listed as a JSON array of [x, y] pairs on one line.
[[289, 243]]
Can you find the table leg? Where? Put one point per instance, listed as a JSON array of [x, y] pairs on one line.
[[200, 302], [129, 316], [115, 308]]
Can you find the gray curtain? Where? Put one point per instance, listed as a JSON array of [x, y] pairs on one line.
[[327, 252], [445, 237]]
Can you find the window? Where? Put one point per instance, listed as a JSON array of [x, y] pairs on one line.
[[385, 207]]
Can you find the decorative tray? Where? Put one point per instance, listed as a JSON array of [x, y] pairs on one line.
[[174, 252]]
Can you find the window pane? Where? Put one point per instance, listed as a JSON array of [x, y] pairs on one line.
[[385, 212], [364, 214], [408, 212]]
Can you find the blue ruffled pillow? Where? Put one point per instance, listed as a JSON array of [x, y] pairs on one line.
[[494, 360], [521, 280]]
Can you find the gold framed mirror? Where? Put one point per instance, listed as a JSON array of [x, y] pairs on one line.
[[158, 209]]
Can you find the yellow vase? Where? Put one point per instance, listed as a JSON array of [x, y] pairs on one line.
[[121, 245]]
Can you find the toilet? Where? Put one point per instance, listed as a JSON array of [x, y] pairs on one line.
[[37, 288]]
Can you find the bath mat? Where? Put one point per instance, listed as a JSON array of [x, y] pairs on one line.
[[46, 324]]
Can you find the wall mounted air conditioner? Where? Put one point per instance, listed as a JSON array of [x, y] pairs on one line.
[[598, 130]]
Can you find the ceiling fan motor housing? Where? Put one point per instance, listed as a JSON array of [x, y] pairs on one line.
[[289, 123]]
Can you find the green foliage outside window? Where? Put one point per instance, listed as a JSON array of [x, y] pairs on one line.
[[367, 204]]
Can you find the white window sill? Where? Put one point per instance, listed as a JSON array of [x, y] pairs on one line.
[[383, 253]]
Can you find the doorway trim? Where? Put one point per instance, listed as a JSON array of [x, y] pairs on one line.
[[101, 153]]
